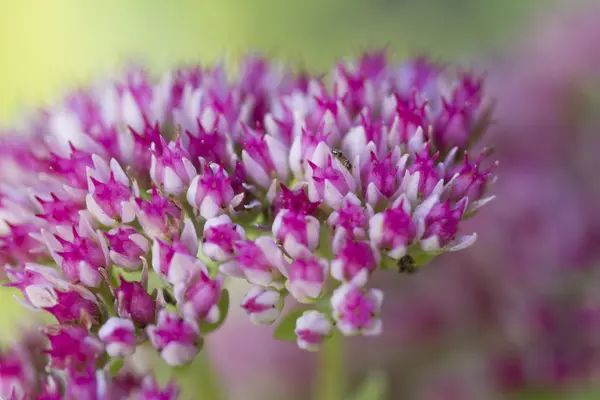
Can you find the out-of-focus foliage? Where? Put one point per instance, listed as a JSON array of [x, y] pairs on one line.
[[373, 388]]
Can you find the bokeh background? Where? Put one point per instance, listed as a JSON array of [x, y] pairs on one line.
[[516, 316]]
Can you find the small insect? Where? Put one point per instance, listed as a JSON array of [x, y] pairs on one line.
[[342, 158], [407, 265]]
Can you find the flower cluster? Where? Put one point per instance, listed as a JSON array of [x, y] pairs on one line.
[[24, 374], [300, 186]]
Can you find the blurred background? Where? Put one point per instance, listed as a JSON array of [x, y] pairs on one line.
[[518, 315]]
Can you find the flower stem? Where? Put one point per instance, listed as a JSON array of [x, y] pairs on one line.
[[331, 374], [198, 379]]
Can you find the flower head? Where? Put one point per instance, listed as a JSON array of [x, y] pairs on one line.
[[300, 188]]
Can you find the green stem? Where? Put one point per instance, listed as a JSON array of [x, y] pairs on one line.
[[208, 382], [198, 379], [331, 375]]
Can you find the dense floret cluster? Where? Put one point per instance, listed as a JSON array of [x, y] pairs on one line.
[[129, 204]]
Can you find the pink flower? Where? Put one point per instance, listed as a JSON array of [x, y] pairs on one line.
[[307, 278], [17, 373], [211, 193], [176, 338], [210, 144], [198, 296], [328, 181], [171, 168], [143, 139], [339, 175], [260, 262], [151, 391], [356, 310], [460, 113], [304, 147], [296, 231], [263, 306], [219, 237], [80, 257], [126, 247], [393, 230], [354, 263], [312, 328], [158, 217], [118, 335], [293, 199], [133, 301], [109, 198], [264, 158], [58, 210], [70, 346], [422, 177], [44, 288], [381, 178], [472, 181], [18, 245], [441, 226], [71, 169], [176, 260], [350, 221]]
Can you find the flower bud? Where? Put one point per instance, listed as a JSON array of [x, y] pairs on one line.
[[356, 310], [79, 257], [198, 297], [440, 227], [58, 211], [212, 193], [263, 306], [45, 288], [132, 301], [328, 181], [296, 231], [260, 261], [158, 217], [312, 328], [350, 221], [177, 260], [307, 278], [17, 373], [472, 181], [393, 230], [176, 338], [72, 345], [126, 247], [293, 199], [83, 382], [382, 177], [354, 263], [264, 157], [171, 168], [219, 236], [303, 148], [150, 390], [422, 178], [118, 335]]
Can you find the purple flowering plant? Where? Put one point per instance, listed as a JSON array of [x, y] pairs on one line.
[[130, 204]]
